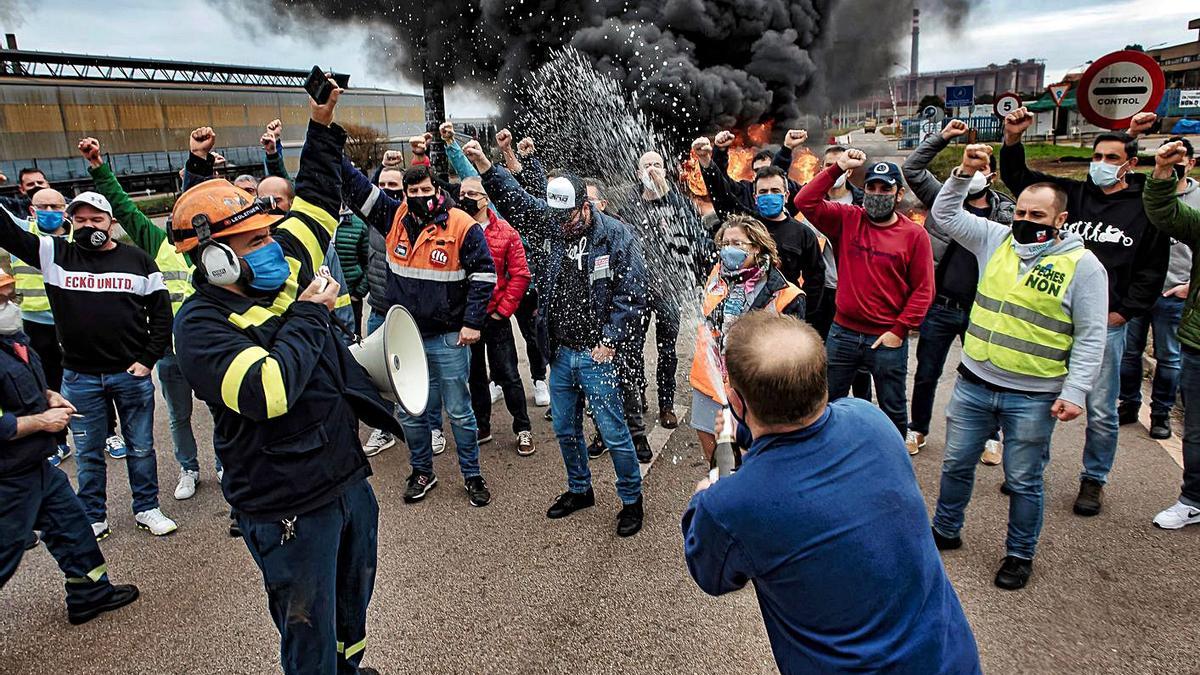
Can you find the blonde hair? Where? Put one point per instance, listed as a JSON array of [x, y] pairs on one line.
[[756, 232]]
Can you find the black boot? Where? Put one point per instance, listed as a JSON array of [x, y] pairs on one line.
[[122, 595], [629, 520], [1014, 573], [1127, 412], [946, 543], [570, 502], [1090, 499], [1160, 427], [641, 447]]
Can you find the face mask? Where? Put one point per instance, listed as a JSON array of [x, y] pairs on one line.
[[732, 258], [770, 205], [398, 195], [90, 238], [979, 185], [269, 268], [1104, 174], [879, 207], [840, 182], [1029, 232], [1180, 171], [50, 222], [471, 206], [423, 208], [1030, 251], [10, 318]]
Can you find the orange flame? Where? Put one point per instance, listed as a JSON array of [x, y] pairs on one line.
[[690, 173], [746, 143], [805, 165], [918, 217]]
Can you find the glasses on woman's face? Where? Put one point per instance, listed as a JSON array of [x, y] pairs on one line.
[[744, 245]]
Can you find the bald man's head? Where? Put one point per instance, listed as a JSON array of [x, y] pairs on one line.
[[777, 365], [280, 189]]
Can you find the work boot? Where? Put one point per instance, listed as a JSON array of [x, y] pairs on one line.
[[1160, 427], [1127, 412], [629, 520], [1014, 573], [1090, 499], [945, 543], [668, 419], [122, 595], [641, 447], [570, 502]]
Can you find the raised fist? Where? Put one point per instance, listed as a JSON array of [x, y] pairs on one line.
[[702, 148], [269, 142], [474, 152], [975, 158], [1167, 157], [275, 128], [1016, 122], [201, 141], [1141, 123], [392, 159], [795, 138], [446, 131], [504, 140], [525, 147], [218, 159], [954, 129], [90, 149], [418, 144], [852, 159], [724, 139]]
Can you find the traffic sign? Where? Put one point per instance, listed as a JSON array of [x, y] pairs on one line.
[[932, 112], [1118, 86], [960, 95], [1058, 92], [1006, 103]]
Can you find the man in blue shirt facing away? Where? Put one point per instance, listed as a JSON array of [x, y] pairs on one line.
[[825, 518]]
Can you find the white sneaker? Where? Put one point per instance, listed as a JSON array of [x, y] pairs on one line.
[[100, 530], [439, 441], [220, 474], [186, 488], [541, 394], [379, 441], [497, 392], [914, 441], [155, 522], [993, 453], [1179, 515]]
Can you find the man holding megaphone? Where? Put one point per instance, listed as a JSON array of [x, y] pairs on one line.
[[257, 343]]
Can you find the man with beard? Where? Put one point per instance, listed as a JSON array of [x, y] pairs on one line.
[[441, 271], [885, 280], [590, 293]]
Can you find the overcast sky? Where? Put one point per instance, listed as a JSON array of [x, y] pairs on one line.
[[1065, 33]]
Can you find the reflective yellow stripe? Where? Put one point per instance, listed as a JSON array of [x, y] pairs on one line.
[[273, 389], [298, 229], [291, 289], [317, 213], [231, 384], [342, 301], [255, 316], [92, 577], [353, 649]]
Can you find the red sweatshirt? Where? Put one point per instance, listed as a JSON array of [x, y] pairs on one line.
[[512, 270], [885, 274]]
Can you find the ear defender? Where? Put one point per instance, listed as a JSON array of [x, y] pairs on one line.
[[221, 266]]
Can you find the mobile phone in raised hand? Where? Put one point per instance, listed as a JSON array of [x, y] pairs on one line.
[[318, 85]]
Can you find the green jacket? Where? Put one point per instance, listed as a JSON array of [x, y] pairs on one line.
[[353, 250], [144, 233], [1173, 217]]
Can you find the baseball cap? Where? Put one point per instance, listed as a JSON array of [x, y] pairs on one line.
[[884, 171], [7, 279], [92, 199], [566, 193]]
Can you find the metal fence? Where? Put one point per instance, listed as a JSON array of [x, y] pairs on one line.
[[987, 128]]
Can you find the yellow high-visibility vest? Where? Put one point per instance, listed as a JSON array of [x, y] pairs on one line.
[[177, 274], [30, 284]]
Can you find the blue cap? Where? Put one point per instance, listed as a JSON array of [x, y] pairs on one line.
[[884, 171]]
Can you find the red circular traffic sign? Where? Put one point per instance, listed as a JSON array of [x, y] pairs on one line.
[[1006, 103], [1118, 86]]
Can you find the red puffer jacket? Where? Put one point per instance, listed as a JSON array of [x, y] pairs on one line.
[[512, 271]]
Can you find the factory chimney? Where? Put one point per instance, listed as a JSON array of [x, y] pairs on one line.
[[916, 34]]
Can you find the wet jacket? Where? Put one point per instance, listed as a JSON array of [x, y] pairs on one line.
[[285, 393], [22, 393], [614, 263]]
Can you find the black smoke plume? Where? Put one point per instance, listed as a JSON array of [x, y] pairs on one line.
[[693, 65]]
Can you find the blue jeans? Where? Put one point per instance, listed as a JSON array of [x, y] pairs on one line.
[[449, 368], [374, 321], [942, 324], [1164, 318], [849, 350], [134, 399], [319, 582], [178, 395], [1100, 446], [974, 414], [572, 374]]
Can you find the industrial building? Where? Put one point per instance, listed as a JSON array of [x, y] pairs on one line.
[[143, 110]]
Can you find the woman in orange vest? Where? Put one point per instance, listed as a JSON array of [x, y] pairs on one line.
[[746, 279]]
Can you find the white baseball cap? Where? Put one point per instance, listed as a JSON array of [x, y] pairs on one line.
[[565, 193], [92, 199]]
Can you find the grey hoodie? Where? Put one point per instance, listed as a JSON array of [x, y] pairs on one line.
[[1180, 270], [1085, 300]]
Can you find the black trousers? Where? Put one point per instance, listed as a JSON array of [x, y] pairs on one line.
[[497, 349], [525, 321]]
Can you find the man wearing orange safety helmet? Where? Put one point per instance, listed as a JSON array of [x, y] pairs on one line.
[[257, 343]]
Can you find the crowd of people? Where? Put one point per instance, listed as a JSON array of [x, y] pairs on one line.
[[808, 294]]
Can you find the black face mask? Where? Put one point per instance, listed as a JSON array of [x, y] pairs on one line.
[[1029, 232], [90, 239], [422, 208], [398, 195], [469, 205]]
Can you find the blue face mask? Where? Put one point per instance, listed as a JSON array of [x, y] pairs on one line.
[[1104, 174], [769, 205], [732, 258], [49, 222], [269, 267]]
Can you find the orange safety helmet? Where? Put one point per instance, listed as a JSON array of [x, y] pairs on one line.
[[7, 279], [215, 209]]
